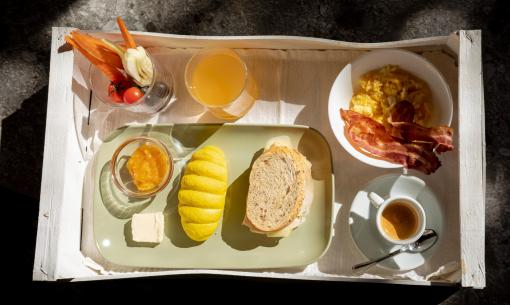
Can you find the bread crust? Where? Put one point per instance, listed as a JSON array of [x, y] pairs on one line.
[[301, 166]]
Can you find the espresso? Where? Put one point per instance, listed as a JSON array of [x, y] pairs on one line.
[[399, 221]]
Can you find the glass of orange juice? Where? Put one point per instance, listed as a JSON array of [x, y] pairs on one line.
[[219, 80]]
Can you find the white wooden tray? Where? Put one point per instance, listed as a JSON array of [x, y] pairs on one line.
[[62, 251]]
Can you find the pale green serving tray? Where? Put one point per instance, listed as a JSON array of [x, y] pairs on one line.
[[232, 246]]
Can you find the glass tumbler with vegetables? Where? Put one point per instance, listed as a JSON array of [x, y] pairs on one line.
[[124, 75]]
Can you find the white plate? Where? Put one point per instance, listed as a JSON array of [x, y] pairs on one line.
[[346, 84], [362, 222]]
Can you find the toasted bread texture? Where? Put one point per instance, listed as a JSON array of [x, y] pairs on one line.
[[277, 188]]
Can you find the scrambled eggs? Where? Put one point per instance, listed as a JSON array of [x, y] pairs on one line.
[[380, 90]]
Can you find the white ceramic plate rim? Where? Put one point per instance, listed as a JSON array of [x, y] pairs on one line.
[[395, 55]]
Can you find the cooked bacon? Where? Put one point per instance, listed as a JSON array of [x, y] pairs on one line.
[[422, 157], [440, 136], [401, 126], [371, 136], [403, 112]]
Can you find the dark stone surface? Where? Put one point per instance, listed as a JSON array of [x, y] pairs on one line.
[[24, 58]]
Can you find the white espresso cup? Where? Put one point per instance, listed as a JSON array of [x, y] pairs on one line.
[[400, 219]]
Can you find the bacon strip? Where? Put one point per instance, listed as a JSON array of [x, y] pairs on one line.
[[401, 126], [440, 136], [372, 137], [422, 157]]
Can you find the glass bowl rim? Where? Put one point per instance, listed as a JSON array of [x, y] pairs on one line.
[[120, 185]]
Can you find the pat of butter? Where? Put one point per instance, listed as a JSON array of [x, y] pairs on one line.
[[148, 228]]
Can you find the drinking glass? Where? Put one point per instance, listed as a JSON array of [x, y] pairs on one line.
[[156, 96], [219, 79]]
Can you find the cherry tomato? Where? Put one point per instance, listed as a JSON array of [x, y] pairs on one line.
[[132, 95], [116, 90]]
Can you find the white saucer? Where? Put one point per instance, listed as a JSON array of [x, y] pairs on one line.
[[362, 222]]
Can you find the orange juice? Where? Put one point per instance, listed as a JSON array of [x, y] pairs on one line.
[[218, 79]]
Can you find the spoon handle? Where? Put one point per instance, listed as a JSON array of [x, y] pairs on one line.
[[375, 261]]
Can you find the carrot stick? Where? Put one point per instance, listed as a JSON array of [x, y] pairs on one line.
[[112, 73], [130, 42], [97, 48]]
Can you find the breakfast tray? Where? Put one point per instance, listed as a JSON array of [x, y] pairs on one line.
[[295, 75]]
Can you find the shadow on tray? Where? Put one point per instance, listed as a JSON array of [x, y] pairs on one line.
[[233, 232], [118, 205], [173, 227]]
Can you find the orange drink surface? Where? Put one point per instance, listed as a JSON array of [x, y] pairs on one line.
[[218, 79]]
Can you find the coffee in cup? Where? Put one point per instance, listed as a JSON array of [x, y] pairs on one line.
[[399, 220]]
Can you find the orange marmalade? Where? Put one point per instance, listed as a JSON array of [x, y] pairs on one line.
[[148, 166]]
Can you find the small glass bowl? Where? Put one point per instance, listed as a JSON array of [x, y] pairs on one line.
[[119, 172]]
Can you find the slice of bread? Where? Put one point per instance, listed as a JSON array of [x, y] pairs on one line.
[[278, 183]]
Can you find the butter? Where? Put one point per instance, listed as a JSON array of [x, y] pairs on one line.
[[148, 228]]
